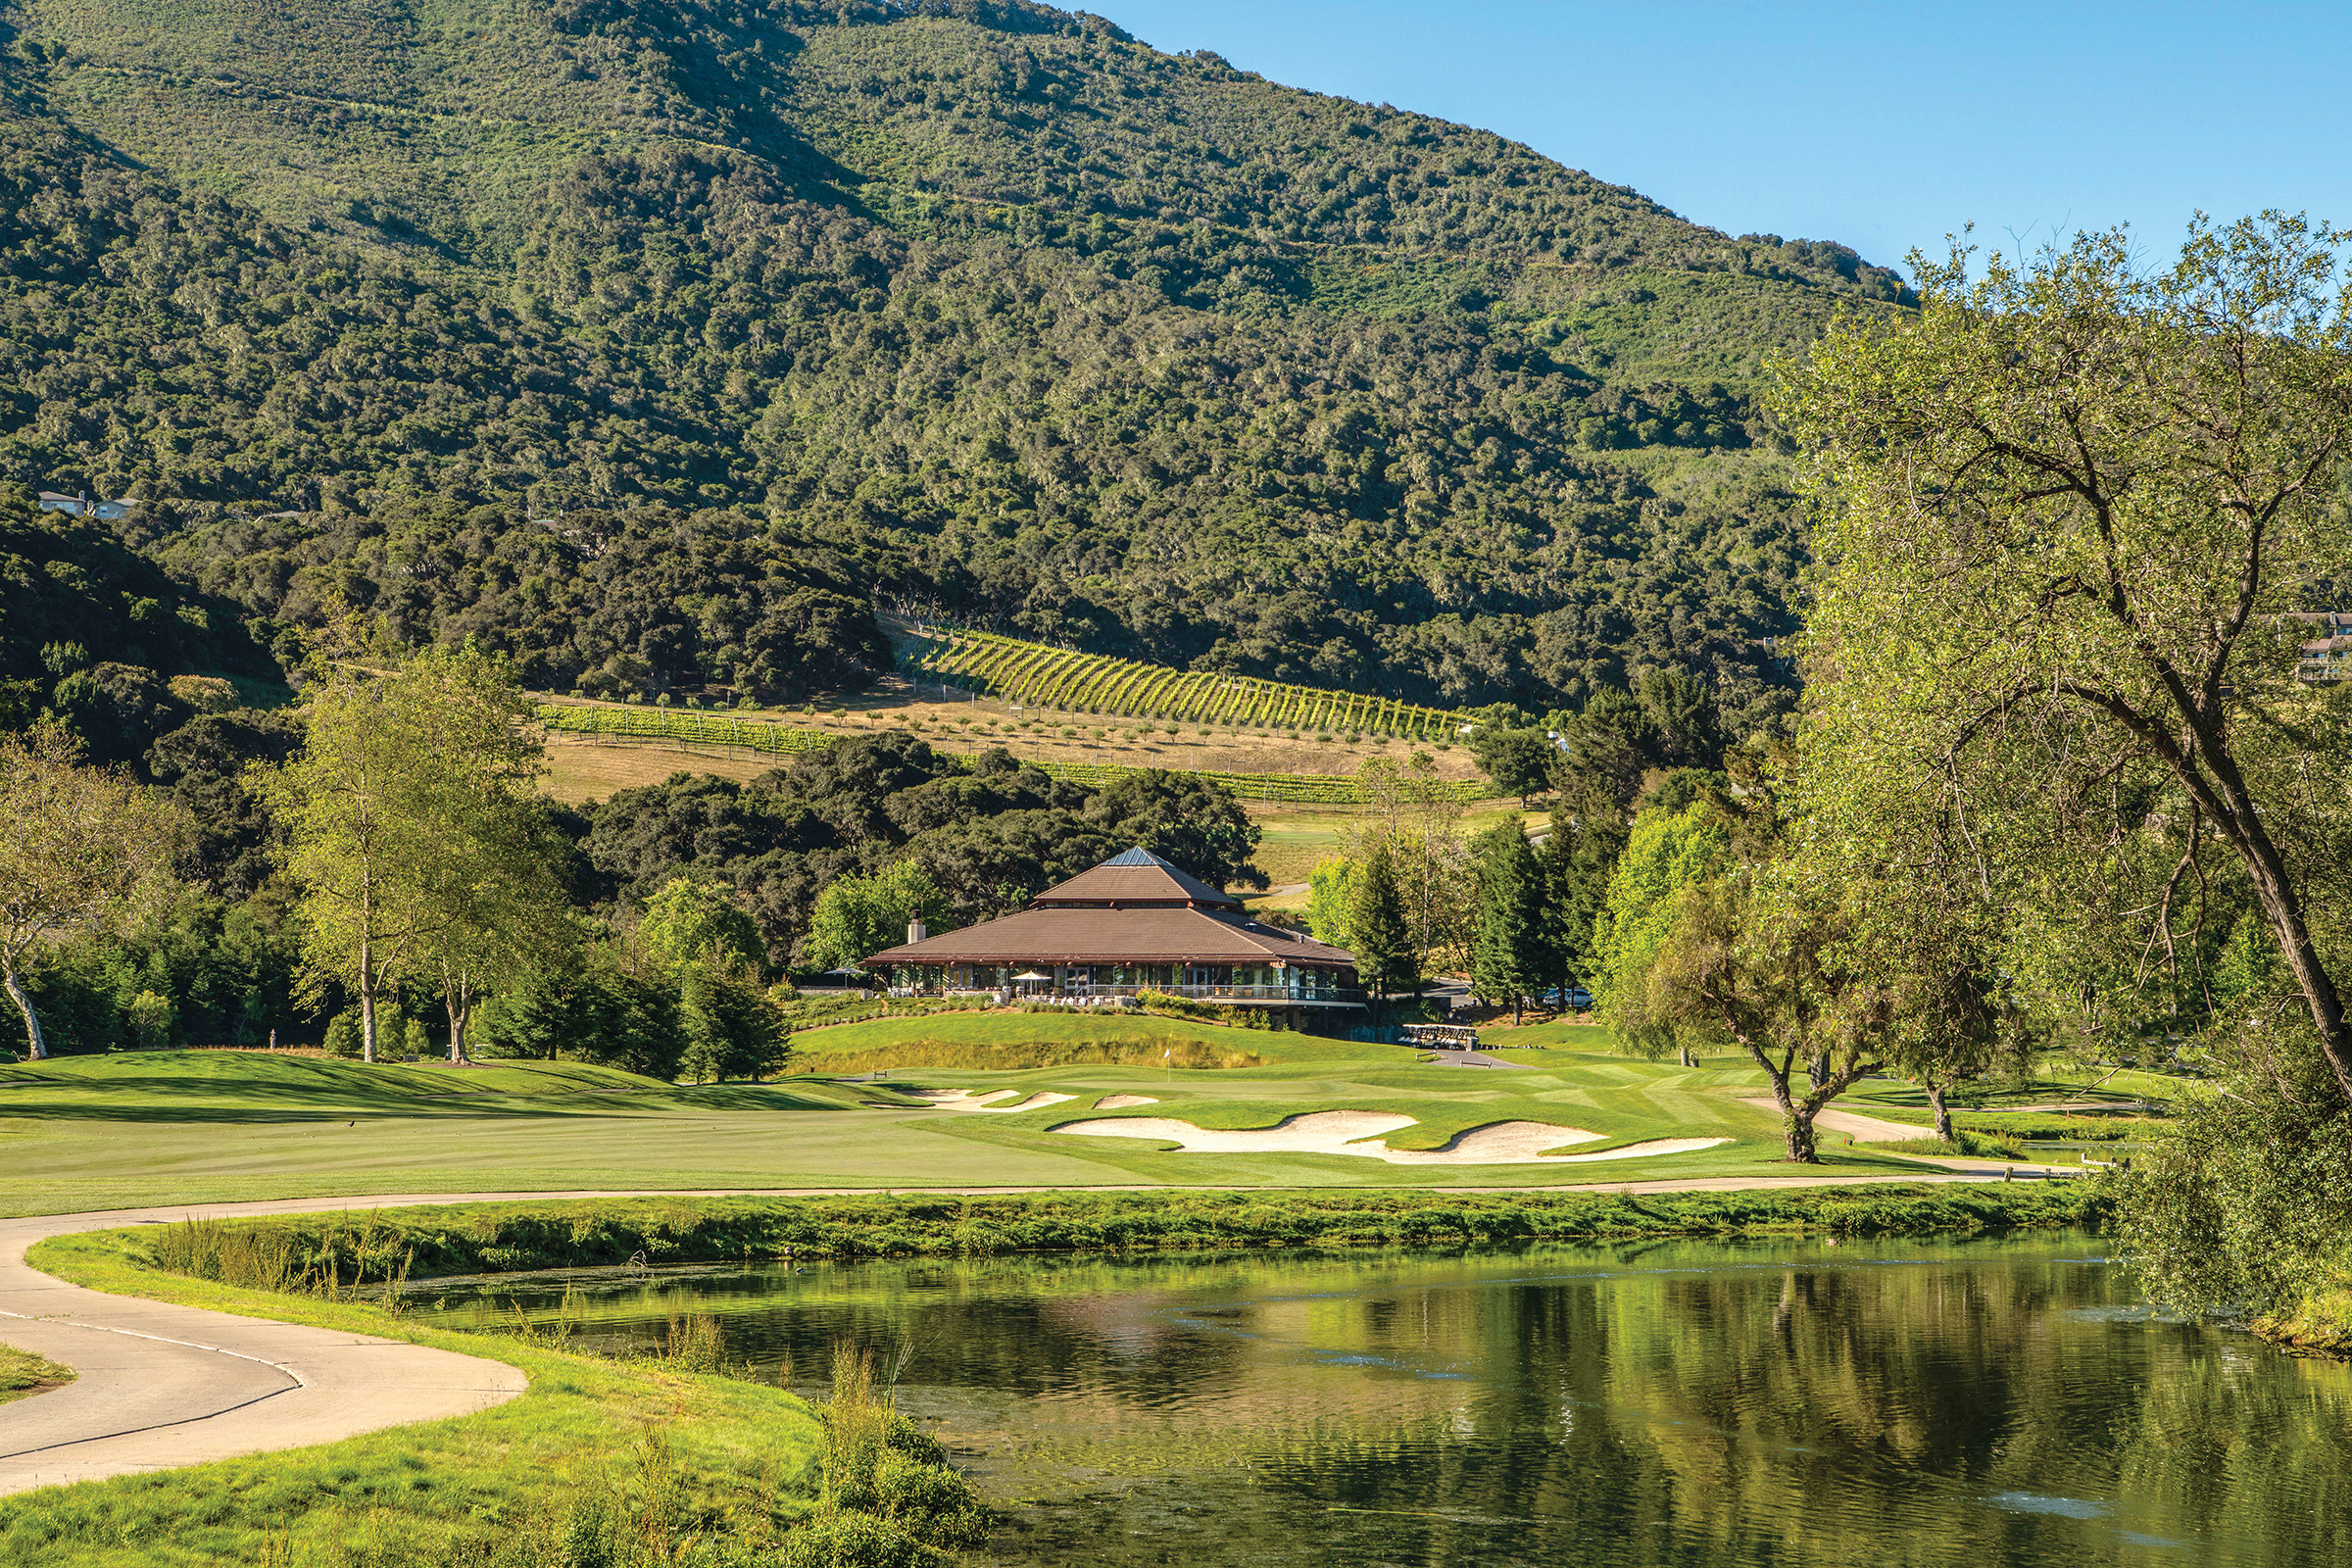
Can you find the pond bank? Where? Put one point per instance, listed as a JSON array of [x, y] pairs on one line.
[[386, 1246]]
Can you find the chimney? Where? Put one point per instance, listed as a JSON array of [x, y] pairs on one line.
[[916, 931]]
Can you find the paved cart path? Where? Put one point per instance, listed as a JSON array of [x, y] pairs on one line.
[[159, 1386]]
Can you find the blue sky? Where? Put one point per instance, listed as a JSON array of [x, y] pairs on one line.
[[1882, 125]]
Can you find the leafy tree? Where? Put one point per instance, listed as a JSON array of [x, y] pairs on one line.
[[1518, 761], [1386, 958], [1666, 854], [695, 921], [1185, 819], [76, 843], [1756, 958], [598, 1010], [206, 763], [857, 917], [2061, 508], [492, 902], [1415, 820], [1508, 956], [1330, 900], [407, 829], [118, 709], [1609, 746]]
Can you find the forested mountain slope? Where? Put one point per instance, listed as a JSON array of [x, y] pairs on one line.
[[984, 308]]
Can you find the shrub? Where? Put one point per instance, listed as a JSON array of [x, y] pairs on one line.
[[833, 1538]]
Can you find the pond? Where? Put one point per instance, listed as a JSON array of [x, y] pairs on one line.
[[1990, 1401]]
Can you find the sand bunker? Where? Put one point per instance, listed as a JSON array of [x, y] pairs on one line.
[[1358, 1132], [1123, 1101], [965, 1100]]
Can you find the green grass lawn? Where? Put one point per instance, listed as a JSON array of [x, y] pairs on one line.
[[591, 1449], [143, 1129]]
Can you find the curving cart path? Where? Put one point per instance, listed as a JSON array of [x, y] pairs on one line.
[[159, 1386]]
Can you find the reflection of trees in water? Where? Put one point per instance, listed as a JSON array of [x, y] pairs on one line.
[[1785, 1413], [1848, 1406], [2230, 1445]]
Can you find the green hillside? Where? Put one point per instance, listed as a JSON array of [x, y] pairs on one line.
[[983, 308]]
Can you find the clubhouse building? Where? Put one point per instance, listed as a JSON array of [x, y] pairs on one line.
[[1133, 923]]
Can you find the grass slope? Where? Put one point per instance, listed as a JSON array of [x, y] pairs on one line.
[[221, 1126], [650, 1450]]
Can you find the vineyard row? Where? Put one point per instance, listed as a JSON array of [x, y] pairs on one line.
[[1032, 674]]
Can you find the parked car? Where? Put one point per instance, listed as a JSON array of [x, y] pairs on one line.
[[1577, 998]]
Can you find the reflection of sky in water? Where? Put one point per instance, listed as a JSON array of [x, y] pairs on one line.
[[1972, 1404]]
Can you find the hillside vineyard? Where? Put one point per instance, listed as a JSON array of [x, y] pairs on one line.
[[985, 311]]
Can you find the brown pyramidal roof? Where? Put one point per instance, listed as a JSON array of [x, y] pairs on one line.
[[1136, 879], [1163, 915]]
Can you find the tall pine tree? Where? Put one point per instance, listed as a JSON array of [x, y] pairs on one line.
[[1508, 958], [1385, 955]]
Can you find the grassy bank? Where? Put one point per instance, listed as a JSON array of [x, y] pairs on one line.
[[337, 1252], [23, 1373], [625, 1464], [592, 1449], [2321, 1325]]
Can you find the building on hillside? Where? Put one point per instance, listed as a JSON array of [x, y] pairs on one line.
[[1133, 923], [81, 506], [2328, 648]]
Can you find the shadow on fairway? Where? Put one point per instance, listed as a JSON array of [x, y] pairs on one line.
[[169, 1099]]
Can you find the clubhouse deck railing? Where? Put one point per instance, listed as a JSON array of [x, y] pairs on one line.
[[1261, 994]]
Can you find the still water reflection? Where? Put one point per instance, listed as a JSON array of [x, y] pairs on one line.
[[1986, 1402]]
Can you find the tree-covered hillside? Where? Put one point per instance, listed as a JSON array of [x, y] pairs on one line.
[[982, 308]]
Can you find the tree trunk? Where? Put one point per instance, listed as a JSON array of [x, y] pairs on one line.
[[2239, 822], [1686, 1056], [2294, 935], [1799, 1126], [1943, 1112], [1817, 1069], [457, 996], [366, 1006], [1796, 1121], [38, 1042]]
